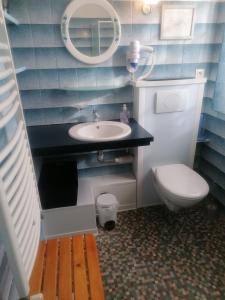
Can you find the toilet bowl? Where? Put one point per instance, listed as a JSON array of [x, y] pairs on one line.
[[179, 186]]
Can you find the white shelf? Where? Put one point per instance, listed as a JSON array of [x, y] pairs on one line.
[[94, 88], [20, 70], [203, 140], [10, 18], [93, 163]]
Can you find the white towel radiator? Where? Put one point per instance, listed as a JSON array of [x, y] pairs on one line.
[[19, 199]]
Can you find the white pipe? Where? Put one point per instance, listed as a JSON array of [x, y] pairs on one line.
[[117, 160]]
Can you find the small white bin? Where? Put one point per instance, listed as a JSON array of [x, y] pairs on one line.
[[107, 206]]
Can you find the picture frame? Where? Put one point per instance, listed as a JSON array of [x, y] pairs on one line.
[[177, 22]]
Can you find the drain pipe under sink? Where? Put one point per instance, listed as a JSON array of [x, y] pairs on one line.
[[117, 160]]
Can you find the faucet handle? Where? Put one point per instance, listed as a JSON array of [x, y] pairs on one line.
[[96, 115]]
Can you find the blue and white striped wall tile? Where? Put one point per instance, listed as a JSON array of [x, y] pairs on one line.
[[29, 80], [215, 125], [216, 143], [55, 115], [221, 12], [208, 109], [209, 89], [35, 99], [59, 79], [27, 36], [213, 173], [27, 11], [215, 189], [48, 79], [52, 58], [68, 78], [219, 97], [214, 158]]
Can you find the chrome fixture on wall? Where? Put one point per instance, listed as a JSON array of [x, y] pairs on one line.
[[134, 57], [147, 6]]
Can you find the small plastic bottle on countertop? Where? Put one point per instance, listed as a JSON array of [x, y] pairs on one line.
[[125, 115]]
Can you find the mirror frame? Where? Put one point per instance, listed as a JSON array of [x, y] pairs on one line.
[[68, 13]]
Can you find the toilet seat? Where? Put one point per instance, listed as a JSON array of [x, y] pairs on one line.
[[181, 182]]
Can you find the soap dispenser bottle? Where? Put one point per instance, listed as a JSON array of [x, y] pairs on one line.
[[124, 115]]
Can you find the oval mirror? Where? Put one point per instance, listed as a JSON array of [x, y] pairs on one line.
[[91, 30]]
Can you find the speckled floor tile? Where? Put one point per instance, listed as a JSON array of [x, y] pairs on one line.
[[156, 254]]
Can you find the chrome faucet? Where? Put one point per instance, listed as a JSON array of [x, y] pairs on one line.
[[96, 116]]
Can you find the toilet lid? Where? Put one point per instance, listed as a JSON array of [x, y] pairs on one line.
[[182, 181], [106, 200]]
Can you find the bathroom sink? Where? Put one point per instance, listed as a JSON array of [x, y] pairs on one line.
[[101, 131]]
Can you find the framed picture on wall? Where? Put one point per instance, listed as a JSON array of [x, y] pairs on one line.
[[177, 22]]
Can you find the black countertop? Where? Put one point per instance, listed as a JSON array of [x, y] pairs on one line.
[[48, 140]]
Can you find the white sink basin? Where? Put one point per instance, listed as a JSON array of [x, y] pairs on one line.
[[100, 131]]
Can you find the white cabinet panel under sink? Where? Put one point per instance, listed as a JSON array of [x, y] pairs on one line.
[[77, 219], [123, 186]]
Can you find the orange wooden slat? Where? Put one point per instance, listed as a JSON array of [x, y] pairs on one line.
[[50, 274], [95, 278], [65, 269], [37, 273], [79, 265]]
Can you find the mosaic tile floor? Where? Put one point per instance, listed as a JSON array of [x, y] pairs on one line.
[[155, 254]]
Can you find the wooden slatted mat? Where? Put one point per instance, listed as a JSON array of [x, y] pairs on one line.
[[68, 269]]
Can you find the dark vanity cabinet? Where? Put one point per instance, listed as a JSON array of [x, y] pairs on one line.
[[58, 184]]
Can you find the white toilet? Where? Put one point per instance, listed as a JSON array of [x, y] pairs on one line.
[[179, 186]]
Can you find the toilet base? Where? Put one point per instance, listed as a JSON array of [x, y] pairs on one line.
[[170, 206]]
